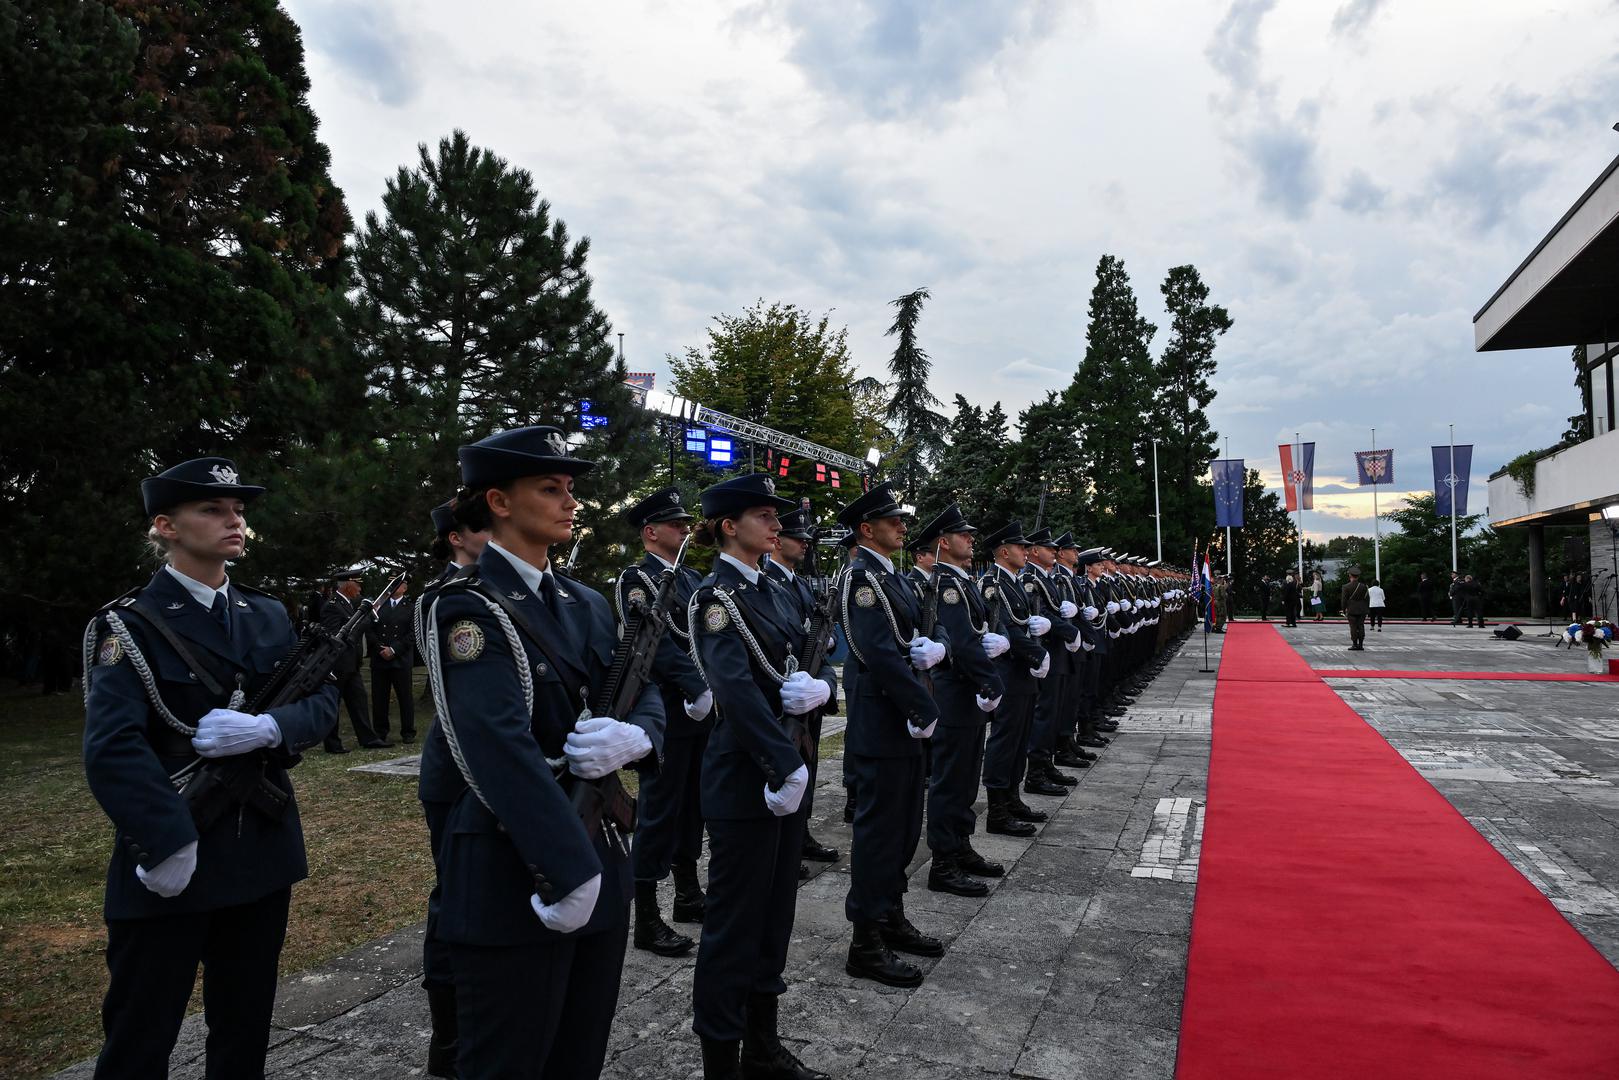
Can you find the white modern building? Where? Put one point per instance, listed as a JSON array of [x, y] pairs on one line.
[[1566, 293]]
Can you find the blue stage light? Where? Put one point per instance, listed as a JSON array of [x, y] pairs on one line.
[[720, 451]]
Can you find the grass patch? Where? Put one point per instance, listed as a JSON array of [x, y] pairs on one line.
[[370, 872]]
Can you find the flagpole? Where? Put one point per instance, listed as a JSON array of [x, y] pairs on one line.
[[1228, 527], [1377, 540], [1451, 480], [1298, 498], [1157, 515]]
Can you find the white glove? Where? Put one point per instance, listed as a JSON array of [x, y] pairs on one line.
[[925, 653], [994, 645], [1156, 603], [1090, 646], [1045, 666], [171, 876], [1068, 609], [1039, 625], [801, 694], [572, 911], [785, 801], [599, 745], [1073, 646], [223, 732], [1112, 607], [921, 732], [702, 706], [987, 704], [1136, 605], [1090, 612]]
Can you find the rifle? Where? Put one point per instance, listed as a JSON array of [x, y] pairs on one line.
[[604, 803], [213, 785], [573, 553]]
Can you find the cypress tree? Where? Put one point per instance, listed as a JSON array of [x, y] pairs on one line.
[[911, 411], [1184, 390]]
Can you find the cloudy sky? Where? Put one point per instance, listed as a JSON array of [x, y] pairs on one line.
[[1353, 178]]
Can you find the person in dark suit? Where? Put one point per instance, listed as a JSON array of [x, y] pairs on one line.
[[669, 817], [334, 613], [755, 775], [1290, 599], [1355, 600], [535, 898], [1020, 668], [1265, 585], [890, 713], [391, 642], [462, 526], [177, 897], [967, 691], [783, 565]]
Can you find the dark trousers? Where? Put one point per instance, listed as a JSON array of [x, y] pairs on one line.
[[1088, 683], [394, 681], [1264, 606], [813, 722], [1425, 604], [352, 689], [669, 816], [1357, 629], [436, 969], [958, 761], [153, 967], [1008, 739], [1375, 617], [1051, 699], [748, 919], [540, 1010], [887, 828], [1292, 612]]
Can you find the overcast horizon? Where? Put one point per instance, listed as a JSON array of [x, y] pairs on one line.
[[1353, 180]]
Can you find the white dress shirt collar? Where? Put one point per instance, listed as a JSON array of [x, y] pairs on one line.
[[888, 564], [749, 572], [202, 594], [532, 575]]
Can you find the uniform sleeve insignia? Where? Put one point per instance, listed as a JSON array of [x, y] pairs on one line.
[[989, 592], [637, 596], [466, 640], [950, 596], [716, 618], [865, 596], [111, 651], [1028, 586]]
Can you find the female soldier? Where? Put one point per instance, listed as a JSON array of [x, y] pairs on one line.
[[745, 631], [535, 901], [166, 670]]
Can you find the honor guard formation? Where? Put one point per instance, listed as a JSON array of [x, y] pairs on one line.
[[1001, 657]]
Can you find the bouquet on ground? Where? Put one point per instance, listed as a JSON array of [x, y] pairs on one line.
[[1594, 634]]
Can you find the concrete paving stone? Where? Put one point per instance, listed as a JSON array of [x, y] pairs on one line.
[[1084, 827], [837, 1023], [892, 1067], [1156, 907], [1023, 925], [1063, 870], [1123, 976], [973, 1011], [329, 991], [398, 1018], [1060, 1048]]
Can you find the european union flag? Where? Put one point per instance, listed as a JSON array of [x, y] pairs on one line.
[[1228, 481]]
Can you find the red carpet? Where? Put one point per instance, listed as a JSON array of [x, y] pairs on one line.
[[1508, 676], [1350, 923]]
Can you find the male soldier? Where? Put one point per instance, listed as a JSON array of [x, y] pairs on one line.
[[669, 820], [967, 691], [1020, 668], [1047, 596], [1081, 683], [792, 546], [890, 712], [1356, 602], [1093, 626], [392, 643], [333, 614]]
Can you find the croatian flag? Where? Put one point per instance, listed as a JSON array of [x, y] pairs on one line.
[[1298, 475], [1208, 582]]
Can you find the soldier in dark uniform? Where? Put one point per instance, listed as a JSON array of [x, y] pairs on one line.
[[848, 541], [890, 713], [333, 614], [391, 641], [536, 897], [1047, 595], [1068, 753], [783, 565], [967, 691], [1020, 668], [747, 635], [669, 819], [167, 669], [462, 525]]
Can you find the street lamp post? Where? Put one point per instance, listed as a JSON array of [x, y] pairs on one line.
[[1157, 515]]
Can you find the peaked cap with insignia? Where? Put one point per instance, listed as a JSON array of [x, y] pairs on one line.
[[511, 455], [949, 520], [1041, 538], [352, 573], [1010, 533], [444, 518], [660, 506], [1066, 542], [882, 501], [796, 525], [194, 481], [741, 493], [1092, 555]]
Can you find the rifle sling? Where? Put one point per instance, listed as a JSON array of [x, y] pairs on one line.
[[205, 674], [575, 689]]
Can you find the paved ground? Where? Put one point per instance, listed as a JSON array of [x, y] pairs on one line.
[[1074, 964]]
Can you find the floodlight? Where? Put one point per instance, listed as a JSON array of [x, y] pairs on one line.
[[1611, 512], [697, 440], [720, 451], [874, 457]]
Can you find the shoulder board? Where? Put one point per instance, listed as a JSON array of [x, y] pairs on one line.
[[122, 601], [255, 592]]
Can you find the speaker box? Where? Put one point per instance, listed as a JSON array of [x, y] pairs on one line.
[[1509, 633]]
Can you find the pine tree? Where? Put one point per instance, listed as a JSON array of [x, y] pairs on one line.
[[473, 314], [1184, 390], [910, 413], [1047, 462], [971, 468], [1112, 397]]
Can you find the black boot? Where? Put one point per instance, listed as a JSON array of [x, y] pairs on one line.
[[945, 876], [1036, 782], [763, 1056], [973, 863], [444, 1042], [900, 935], [1060, 777], [720, 1059], [1022, 811], [651, 932], [999, 820], [871, 958], [690, 902], [815, 851], [1068, 754]]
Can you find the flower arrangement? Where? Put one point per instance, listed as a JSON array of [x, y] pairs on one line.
[[1594, 634]]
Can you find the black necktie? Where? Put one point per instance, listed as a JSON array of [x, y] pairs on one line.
[[548, 593], [221, 613]]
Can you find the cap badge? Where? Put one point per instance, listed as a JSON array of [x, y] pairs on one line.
[[223, 474], [558, 444], [770, 486], [674, 498]]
